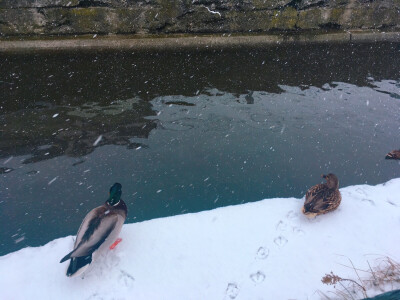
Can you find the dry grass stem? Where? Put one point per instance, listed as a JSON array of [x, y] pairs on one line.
[[384, 276]]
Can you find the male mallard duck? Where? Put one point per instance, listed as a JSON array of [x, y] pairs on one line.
[[395, 154], [322, 198], [97, 232]]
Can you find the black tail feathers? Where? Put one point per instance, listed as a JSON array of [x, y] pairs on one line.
[[78, 263], [66, 257]]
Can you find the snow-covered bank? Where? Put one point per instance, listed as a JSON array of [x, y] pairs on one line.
[[262, 250]]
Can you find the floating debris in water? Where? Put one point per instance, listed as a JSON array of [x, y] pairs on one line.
[[78, 163], [54, 179], [182, 103], [19, 239], [55, 116], [9, 159], [97, 140], [33, 172], [5, 170]]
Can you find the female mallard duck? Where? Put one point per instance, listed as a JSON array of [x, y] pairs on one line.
[[395, 154], [97, 232], [322, 198]]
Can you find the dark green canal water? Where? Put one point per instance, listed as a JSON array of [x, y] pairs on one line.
[[189, 131]]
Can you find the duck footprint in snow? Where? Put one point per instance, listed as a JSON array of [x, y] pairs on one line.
[[95, 297], [281, 226], [298, 231], [126, 279], [280, 241], [232, 290], [391, 203], [368, 201], [257, 277], [291, 214], [262, 253], [104, 264], [361, 191], [112, 260]]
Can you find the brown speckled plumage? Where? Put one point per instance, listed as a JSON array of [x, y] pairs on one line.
[[322, 198], [395, 154]]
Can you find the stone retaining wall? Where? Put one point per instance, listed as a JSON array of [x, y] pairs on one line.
[[76, 17]]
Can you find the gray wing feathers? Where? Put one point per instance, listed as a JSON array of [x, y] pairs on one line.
[[85, 224], [100, 234]]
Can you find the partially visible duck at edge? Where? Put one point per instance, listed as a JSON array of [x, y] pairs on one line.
[[97, 232], [395, 154], [322, 198]]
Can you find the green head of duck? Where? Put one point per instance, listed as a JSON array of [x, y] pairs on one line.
[[115, 194]]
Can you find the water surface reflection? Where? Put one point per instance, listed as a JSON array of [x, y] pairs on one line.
[[189, 131]]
